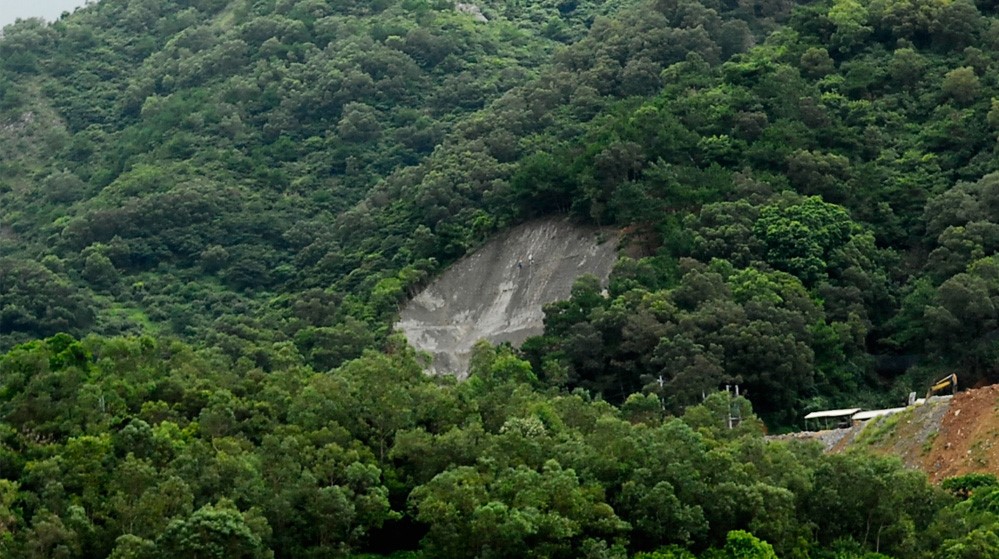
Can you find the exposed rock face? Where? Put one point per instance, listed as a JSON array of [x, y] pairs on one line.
[[497, 292], [472, 10]]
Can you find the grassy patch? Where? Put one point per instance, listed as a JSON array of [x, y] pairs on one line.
[[928, 443], [879, 429]]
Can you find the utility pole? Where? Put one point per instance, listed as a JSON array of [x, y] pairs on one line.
[[662, 401], [734, 416], [728, 413]]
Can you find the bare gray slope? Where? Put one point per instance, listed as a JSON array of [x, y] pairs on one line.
[[497, 292]]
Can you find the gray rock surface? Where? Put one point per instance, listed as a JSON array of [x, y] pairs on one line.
[[472, 10], [497, 292]]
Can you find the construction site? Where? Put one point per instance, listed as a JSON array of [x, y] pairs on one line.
[[498, 292], [944, 436]]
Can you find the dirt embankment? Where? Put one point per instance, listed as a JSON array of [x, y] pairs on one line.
[[944, 437], [909, 434], [497, 293], [968, 436]]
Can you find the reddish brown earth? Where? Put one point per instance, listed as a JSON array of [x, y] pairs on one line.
[[944, 437], [968, 437]]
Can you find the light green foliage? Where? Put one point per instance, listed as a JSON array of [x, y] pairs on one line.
[[743, 545], [961, 85], [666, 553], [800, 237], [993, 116], [493, 366], [133, 547], [979, 543], [966, 485], [851, 20], [711, 417], [645, 408], [514, 512]]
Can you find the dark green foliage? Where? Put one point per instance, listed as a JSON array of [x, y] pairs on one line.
[[150, 448], [813, 188], [216, 171], [35, 302]]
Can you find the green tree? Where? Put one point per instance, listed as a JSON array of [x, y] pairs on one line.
[[216, 531], [99, 271], [740, 544], [816, 63], [129, 546], [851, 19], [978, 544], [961, 85], [799, 237]]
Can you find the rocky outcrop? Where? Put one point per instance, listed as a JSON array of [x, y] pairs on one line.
[[497, 293], [472, 10]]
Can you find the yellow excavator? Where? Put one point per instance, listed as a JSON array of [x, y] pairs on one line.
[[949, 381]]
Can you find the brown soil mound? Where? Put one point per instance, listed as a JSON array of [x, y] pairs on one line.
[[968, 439]]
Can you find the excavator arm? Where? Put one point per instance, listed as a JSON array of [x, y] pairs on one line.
[[949, 381]]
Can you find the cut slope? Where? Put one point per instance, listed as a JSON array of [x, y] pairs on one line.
[[968, 439], [908, 434], [945, 437], [497, 293]]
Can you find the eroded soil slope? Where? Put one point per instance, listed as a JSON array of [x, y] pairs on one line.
[[909, 435], [968, 439], [944, 437], [497, 293]]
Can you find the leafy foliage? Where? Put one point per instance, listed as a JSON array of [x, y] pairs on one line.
[[136, 447], [213, 209]]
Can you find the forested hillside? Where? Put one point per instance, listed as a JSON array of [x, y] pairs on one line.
[[133, 448], [212, 210]]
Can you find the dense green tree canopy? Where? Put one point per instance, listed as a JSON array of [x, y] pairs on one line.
[[213, 209], [136, 447]]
